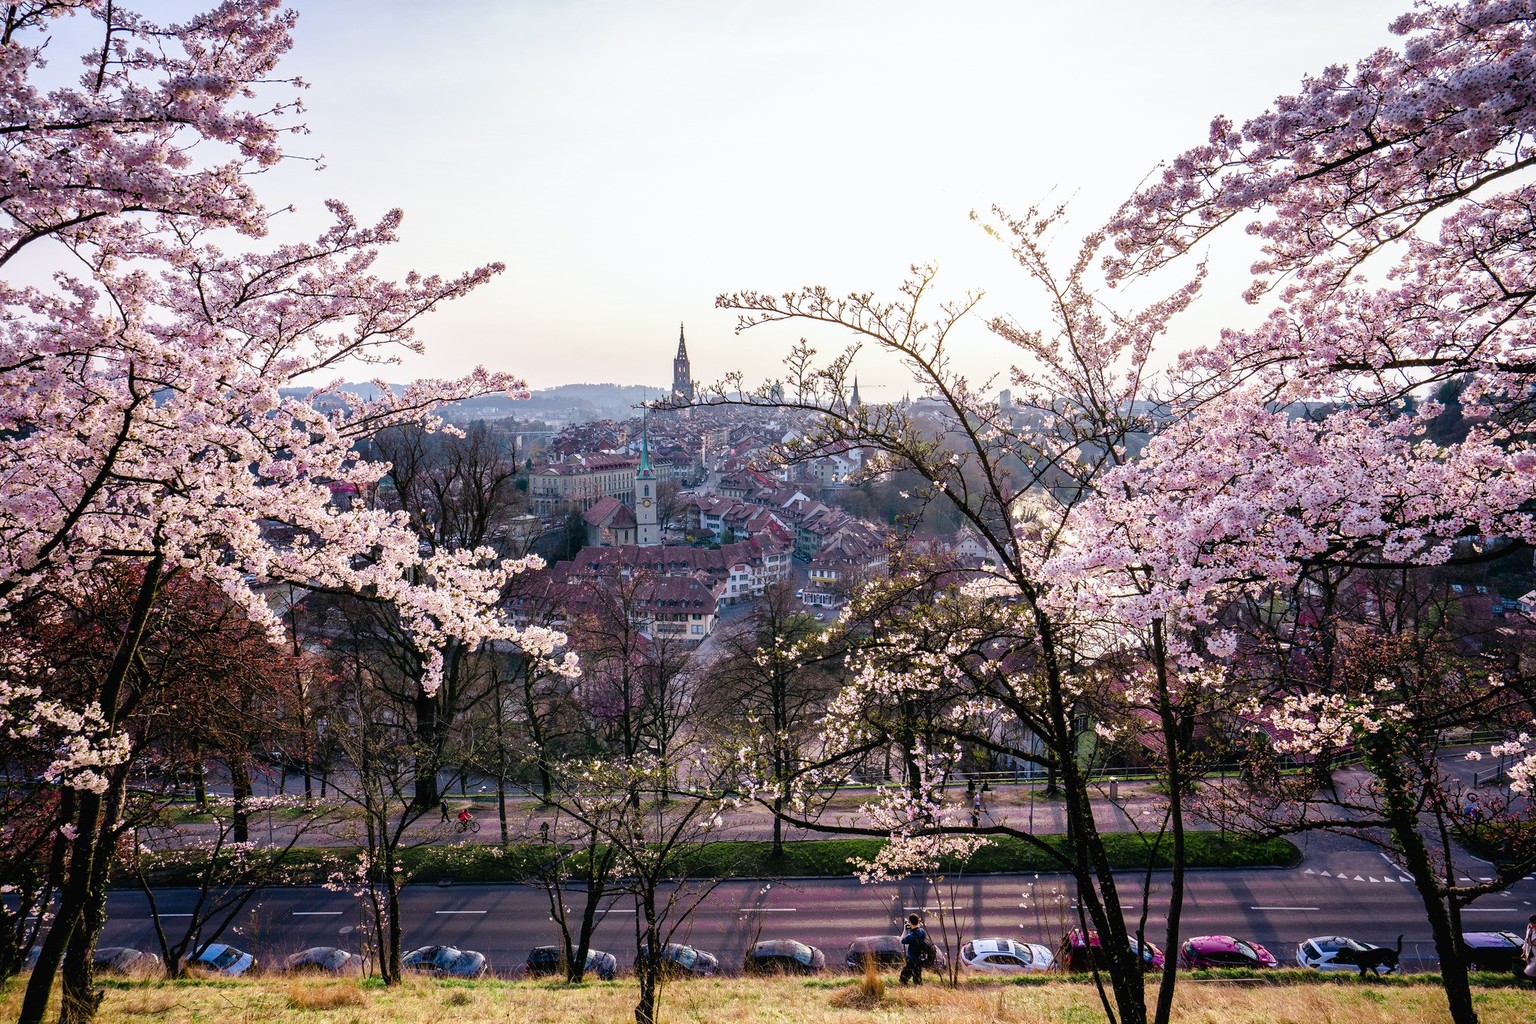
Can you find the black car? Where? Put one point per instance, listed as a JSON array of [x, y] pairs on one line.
[[1491, 951], [123, 960], [678, 960], [545, 961], [887, 952], [784, 956], [446, 961], [323, 960]]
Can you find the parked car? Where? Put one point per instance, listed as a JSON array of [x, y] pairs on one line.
[[445, 961], [124, 960], [544, 961], [1005, 956], [887, 952], [1321, 953], [783, 956], [1223, 951], [222, 959], [678, 960], [1491, 951], [1078, 954], [323, 959]]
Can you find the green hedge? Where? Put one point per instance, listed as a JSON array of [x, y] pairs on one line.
[[485, 864]]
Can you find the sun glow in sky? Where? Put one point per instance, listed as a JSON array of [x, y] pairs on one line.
[[629, 161]]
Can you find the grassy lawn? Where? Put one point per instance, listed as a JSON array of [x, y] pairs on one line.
[[1286, 996], [478, 863]]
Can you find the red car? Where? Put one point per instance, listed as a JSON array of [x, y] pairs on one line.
[[1079, 956], [1223, 951]]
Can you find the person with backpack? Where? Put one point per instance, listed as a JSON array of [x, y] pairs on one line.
[[919, 950]]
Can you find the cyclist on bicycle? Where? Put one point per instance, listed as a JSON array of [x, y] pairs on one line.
[[465, 818]]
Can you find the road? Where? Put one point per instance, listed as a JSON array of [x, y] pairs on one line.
[[1351, 892]]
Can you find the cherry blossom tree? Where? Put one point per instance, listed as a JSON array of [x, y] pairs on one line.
[[1018, 477], [1391, 202], [457, 493], [143, 416]]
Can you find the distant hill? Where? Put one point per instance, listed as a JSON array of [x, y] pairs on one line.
[[567, 401]]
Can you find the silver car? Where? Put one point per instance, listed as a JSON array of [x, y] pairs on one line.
[[218, 958]]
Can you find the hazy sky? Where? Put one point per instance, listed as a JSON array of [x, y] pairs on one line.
[[629, 161]]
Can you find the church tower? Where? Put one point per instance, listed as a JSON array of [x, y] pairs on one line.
[[682, 374], [647, 533]]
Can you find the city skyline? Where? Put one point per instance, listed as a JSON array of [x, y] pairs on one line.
[[629, 163]]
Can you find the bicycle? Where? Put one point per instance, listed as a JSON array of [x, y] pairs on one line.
[[470, 825]]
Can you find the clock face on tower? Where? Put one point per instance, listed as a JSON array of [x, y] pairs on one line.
[[646, 503]]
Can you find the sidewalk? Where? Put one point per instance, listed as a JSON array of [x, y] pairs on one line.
[[1017, 806]]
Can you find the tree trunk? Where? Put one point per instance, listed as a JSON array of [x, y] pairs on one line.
[[1404, 822], [394, 933], [648, 969], [79, 997], [240, 785], [90, 821], [1173, 742], [426, 792], [1100, 900], [199, 780]]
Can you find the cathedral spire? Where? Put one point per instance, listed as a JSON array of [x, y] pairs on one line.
[[682, 373], [856, 400]]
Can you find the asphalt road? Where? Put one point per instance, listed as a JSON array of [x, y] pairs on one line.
[[1352, 892]]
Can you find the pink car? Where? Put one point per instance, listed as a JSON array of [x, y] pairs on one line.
[[1223, 951]]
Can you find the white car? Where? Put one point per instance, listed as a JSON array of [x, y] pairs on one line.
[[222, 959], [1005, 956], [1321, 953]]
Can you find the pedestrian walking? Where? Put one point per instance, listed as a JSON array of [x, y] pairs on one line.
[[919, 950], [443, 806]]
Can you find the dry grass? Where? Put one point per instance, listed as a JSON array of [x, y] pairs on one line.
[[761, 1001], [867, 992], [314, 994]]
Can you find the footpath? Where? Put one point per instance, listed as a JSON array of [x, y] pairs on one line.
[[1136, 806]]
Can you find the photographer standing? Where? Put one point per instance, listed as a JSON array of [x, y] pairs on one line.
[[915, 937]]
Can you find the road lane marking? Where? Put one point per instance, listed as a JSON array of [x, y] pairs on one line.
[[1282, 908], [460, 911], [175, 915], [767, 910], [1485, 910], [317, 913]]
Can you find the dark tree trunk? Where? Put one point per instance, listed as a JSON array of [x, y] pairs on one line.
[[427, 793], [394, 933], [1403, 816], [1173, 743], [95, 817], [648, 969], [240, 785]]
